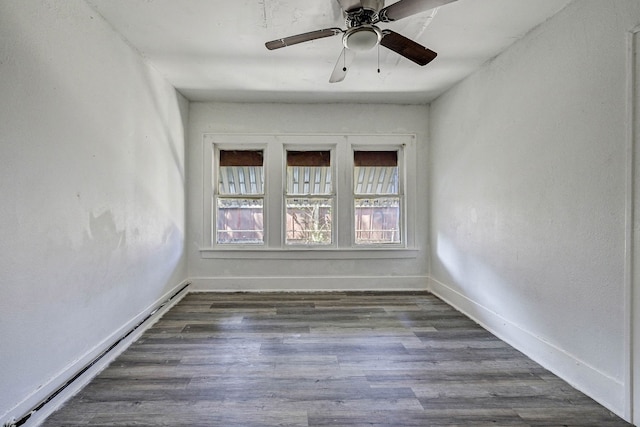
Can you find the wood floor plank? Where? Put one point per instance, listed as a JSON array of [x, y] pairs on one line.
[[324, 359]]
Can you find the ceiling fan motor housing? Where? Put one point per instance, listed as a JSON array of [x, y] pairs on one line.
[[365, 13], [374, 5], [349, 6]]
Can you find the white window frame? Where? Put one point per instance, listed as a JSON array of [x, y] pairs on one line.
[[401, 188], [342, 147], [216, 194], [298, 147]]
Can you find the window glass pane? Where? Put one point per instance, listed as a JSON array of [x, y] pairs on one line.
[[375, 172], [239, 221], [240, 172], [377, 220], [308, 180], [375, 180], [309, 172], [308, 221], [241, 180]]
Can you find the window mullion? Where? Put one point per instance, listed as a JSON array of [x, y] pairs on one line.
[[274, 196], [343, 194]]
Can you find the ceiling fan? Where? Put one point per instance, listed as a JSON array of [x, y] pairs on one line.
[[363, 34]]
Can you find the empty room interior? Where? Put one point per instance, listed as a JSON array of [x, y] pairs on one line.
[[338, 212]]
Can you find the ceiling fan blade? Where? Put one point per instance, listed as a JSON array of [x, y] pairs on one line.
[[300, 38], [348, 5], [403, 8], [342, 66], [407, 47]]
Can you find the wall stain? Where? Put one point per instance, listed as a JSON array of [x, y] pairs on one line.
[[102, 228]]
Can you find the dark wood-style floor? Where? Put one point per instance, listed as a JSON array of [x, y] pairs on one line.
[[319, 359]]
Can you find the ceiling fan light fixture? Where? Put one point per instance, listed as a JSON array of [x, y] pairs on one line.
[[362, 38]]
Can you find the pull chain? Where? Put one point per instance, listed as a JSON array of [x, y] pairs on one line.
[[344, 59], [378, 58]]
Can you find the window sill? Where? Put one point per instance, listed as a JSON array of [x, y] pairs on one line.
[[315, 253]]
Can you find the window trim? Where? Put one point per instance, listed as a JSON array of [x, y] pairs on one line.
[[401, 194], [217, 194], [342, 146], [331, 147], [321, 253]]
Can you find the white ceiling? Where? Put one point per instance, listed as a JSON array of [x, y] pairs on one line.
[[214, 49]]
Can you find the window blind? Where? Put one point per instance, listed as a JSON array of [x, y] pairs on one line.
[[375, 158], [241, 158], [309, 158]]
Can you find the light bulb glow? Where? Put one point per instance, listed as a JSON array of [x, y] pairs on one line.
[[362, 38]]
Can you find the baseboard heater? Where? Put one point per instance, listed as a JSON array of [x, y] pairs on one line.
[[60, 389]]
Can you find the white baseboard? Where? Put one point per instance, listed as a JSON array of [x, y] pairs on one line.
[[602, 388], [309, 284], [33, 400]]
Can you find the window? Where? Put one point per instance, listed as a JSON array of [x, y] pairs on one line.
[[309, 195], [376, 197], [309, 198], [240, 197]]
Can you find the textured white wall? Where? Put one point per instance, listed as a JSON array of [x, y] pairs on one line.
[[634, 222], [302, 119], [92, 188], [528, 168]]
